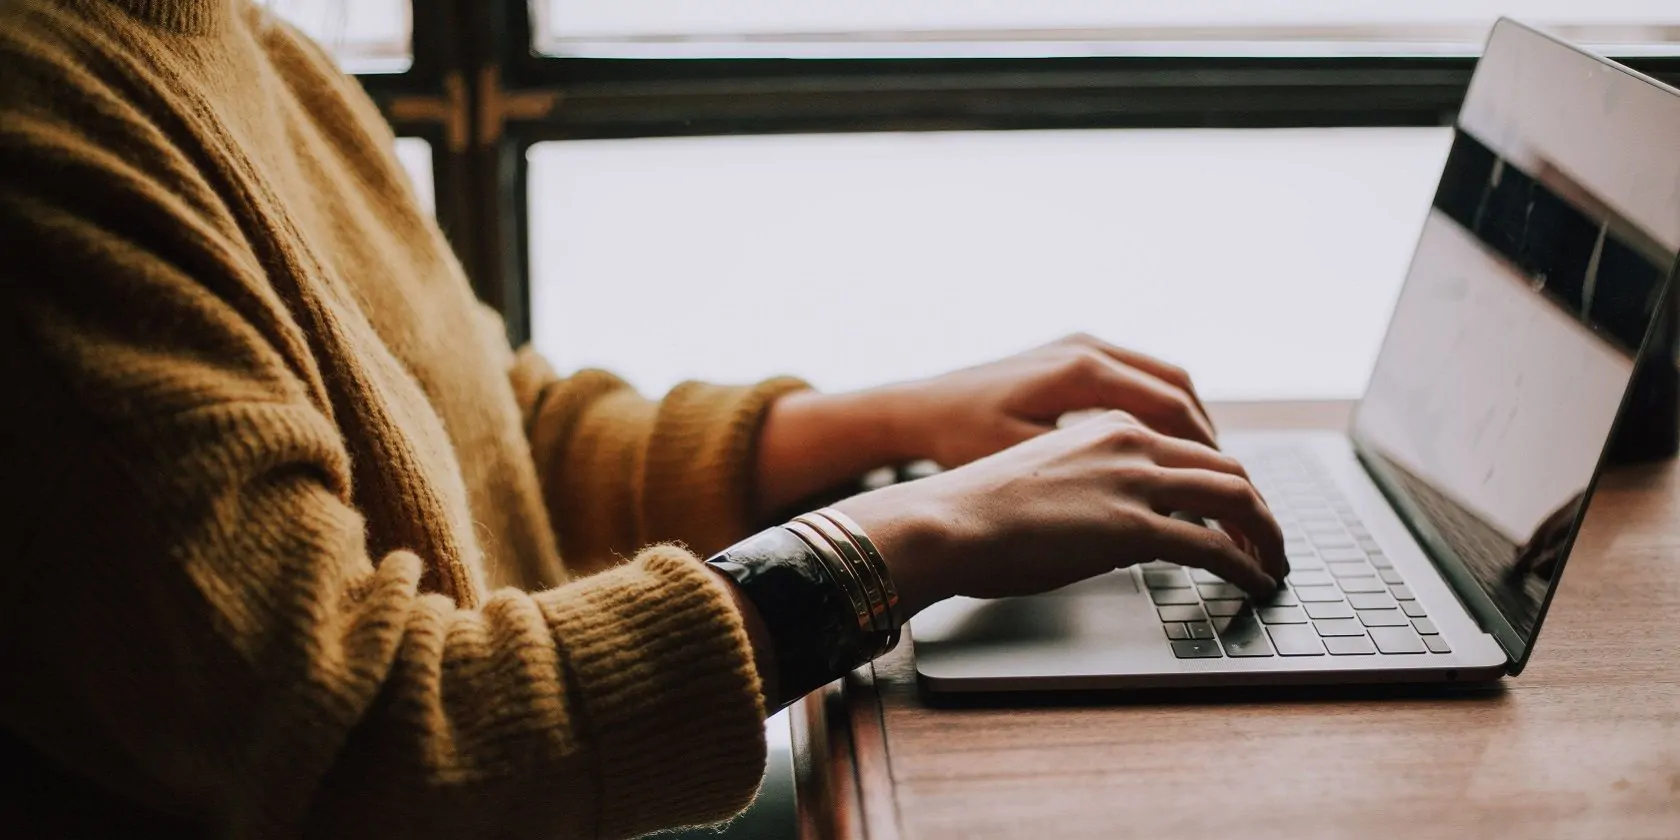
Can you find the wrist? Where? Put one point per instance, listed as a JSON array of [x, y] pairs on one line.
[[914, 538], [877, 423], [896, 421], [812, 442]]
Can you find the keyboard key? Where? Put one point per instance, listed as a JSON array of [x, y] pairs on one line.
[[1328, 610], [1402, 593], [1182, 613], [1412, 608], [1310, 578], [1339, 627], [1350, 646], [1280, 598], [1221, 591], [1424, 626], [1159, 566], [1352, 570], [1436, 644], [1307, 562], [1384, 618], [1320, 530], [1248, 648], [1196, 649], [1330, 541], [1175, 630], [1205, 576], [1395, 640], [1295, 640], [1199, 629], [1351, 586], [1309, 594], [1359, 532], [1381, 561], [1371, 601], [1390, 576], [1341, 555], [1174, 579], [1365, 543], [1282, 615], [1221, 608], [1170, 597], [1244, 637]]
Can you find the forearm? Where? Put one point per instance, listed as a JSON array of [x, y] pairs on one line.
[[620, 472], [812, 442]]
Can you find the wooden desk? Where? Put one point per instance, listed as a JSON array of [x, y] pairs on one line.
[[1585, 744]]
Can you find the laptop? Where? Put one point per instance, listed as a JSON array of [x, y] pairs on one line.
[[1428, 539]]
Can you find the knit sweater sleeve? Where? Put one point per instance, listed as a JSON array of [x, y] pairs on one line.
[[619, 470], [194, 619]]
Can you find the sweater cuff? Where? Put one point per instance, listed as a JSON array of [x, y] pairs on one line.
[[663, 671], [701, 462]]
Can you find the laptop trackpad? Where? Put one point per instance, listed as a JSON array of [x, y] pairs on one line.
[[1101, 618]]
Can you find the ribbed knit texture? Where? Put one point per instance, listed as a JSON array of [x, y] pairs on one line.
[[285, 513]]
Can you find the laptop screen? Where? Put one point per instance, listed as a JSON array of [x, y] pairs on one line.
[[1540, 269]]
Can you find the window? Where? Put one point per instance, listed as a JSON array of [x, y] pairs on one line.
[[1245, 165], [645, 28], [1266, 261], [845, 191]]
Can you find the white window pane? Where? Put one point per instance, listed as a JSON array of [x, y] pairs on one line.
[[1088, 26], [1266, 261], [365, 36], [416, 157]]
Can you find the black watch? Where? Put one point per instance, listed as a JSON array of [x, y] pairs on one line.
[[812, 624]]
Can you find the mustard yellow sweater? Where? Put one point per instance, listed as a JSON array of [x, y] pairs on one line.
[[283, 513]]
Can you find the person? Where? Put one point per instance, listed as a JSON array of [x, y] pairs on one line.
[[286, 514]]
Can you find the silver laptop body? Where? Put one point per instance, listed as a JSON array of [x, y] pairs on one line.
[[1428, 539]]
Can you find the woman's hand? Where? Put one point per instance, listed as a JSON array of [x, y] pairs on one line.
[[1068, 505], [964, 416], [813, 441]]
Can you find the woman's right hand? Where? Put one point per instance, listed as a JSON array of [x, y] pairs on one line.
[[1068, 505]]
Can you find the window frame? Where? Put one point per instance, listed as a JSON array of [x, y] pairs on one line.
[[480, 57]]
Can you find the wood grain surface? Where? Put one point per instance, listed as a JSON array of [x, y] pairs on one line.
[[1584, 744]]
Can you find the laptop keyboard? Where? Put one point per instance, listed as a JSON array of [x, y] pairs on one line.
[[1342, 597]]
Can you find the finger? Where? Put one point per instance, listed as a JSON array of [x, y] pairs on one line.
[[1164, 371], [1184, 454], [1177, 452], [1161, 406], [1231, 501], [1204, 548]]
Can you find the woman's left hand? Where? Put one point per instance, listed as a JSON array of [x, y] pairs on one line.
[[812, 441], [966, 415]]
